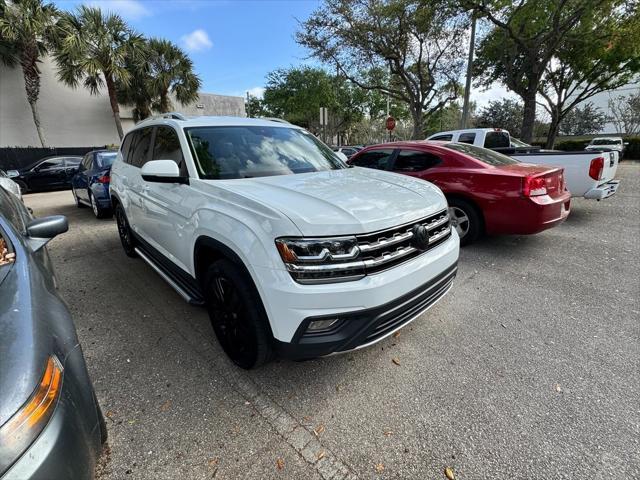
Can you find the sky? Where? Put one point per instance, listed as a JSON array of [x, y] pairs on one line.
[[234, 44]]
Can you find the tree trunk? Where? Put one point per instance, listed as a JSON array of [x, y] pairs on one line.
[[111, 88], [31, 74], [554, 127], [418, 119], [528, 115], [165, 104]]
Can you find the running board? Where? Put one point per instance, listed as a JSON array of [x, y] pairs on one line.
[[183, 290]]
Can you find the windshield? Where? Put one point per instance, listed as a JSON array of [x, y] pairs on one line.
[[605, 141], [518, 143], [105, 159], [255, 151], [485, 155]]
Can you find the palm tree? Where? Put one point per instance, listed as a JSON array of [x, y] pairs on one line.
[[137, 93], [26, 27], [171, 70], [93, 49]]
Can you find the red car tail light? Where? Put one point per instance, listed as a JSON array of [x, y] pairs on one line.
[[104, 179], [534, 186], [596, 167]]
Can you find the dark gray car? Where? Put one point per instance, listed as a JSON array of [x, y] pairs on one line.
[[50, 422]]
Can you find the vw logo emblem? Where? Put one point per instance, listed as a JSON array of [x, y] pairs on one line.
[[420, 238]]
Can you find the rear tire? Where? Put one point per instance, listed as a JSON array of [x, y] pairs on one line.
[[125, 233], [466, 219], [98, 211], [237, 315]]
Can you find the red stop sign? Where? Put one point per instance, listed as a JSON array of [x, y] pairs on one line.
[[391, 123]]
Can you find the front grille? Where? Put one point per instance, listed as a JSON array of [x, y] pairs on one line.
[[388, 248]]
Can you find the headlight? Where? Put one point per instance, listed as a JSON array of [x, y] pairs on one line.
[[26, 424], [321, 260]]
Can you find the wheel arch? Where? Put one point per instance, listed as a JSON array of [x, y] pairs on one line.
[[473, 203]]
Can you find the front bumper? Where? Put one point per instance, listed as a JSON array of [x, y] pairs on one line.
[[289, 304], [69, 445], [605, 190], [363, 328]]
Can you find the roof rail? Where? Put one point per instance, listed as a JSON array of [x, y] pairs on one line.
[[171, 115], [274, 119]]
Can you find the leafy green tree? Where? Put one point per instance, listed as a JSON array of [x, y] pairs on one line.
[[583, 120], [506, 114], [26, 26], [525, 37], [418, 43], [94, 49], [600, 54], [171, 70], [255, 107], [296, 94]]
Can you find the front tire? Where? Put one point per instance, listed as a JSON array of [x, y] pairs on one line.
[[466, 219], [237, 315], [125, 233]]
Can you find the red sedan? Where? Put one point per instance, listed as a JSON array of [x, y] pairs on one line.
[[488, 192]]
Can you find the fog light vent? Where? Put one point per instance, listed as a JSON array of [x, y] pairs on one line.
[[320, 325]]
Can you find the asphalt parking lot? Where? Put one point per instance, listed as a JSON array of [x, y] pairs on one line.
[[528, 369]]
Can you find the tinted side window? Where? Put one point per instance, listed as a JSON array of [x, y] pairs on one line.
[[497, 140], [444, 138], [413, 161], [139, 148], [378, 159], [51, 164], [124, 148], [86, 161], [167, 146], [467, 138]]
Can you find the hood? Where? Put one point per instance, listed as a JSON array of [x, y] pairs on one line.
[[347, 201]]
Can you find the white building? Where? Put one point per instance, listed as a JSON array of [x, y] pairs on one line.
[[75, 118]]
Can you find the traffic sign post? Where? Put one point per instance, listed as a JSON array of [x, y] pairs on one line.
[[324, 121]]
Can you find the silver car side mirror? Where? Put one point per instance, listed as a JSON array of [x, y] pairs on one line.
[[41, 230]]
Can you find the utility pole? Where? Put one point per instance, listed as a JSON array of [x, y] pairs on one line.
[[248, 105], [464, 121]]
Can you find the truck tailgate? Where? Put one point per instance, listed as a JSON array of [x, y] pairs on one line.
[[610, 165]]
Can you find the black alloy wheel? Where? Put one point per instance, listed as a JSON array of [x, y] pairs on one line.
[[124, 231], [237, 316]]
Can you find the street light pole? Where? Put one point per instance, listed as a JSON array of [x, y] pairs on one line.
[[464, 121]]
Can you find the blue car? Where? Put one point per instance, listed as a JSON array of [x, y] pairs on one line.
[[90, 186]]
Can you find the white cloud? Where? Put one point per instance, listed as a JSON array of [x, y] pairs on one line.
[[495, 92], [129, 9], [257, 92], [197, 41]]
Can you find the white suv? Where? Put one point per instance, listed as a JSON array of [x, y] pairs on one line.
[[291, 251]]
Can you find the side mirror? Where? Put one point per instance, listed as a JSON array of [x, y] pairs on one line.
[[41, 230], [162, 171], [13, 173]]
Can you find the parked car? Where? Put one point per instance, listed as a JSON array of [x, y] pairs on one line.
[[292, 252], [9, 185], [90, 186], [50, 173], [607, 144], [348, 150], [50, 422], [588, 174], [488, 192]]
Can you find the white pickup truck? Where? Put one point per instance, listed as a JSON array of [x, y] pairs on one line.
[[588, 174]]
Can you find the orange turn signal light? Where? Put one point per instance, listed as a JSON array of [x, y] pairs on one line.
[[288, 256], [40, 406]]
